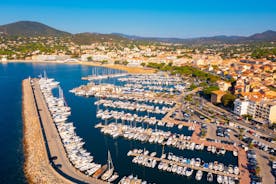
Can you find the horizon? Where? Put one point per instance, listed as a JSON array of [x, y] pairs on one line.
[[147, 19]]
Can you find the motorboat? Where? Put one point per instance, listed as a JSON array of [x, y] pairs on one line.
[[210, 177]]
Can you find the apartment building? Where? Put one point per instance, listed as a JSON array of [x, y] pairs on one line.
[[261, 109]]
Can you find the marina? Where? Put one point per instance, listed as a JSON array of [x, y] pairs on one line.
[[82, 115], [127, 127]]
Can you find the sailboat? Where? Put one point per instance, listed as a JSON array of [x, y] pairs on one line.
[[110, 168]]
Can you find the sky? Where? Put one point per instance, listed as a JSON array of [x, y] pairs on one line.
[[154, 18]]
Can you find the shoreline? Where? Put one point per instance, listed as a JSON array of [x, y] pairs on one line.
[[37, 168], [132, 70]]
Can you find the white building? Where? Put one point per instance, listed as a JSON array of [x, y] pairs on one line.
[[263, 111], [241, 107], [100, 58], [50, 57]]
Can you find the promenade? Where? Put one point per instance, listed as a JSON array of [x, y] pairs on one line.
[[53, 143]]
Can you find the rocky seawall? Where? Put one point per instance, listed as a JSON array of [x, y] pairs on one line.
[[36, 166]]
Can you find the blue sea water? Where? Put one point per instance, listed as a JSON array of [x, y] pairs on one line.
[[84, 118]]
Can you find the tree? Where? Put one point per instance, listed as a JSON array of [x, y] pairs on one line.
[[247, 116], [125, 62], [258, 170], [192, 86], [228, 99], [143, 64], [117, 62], [208, 90]]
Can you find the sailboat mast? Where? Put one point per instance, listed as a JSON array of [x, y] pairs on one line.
[[109, 161]]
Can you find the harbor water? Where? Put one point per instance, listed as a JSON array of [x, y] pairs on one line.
[[84, 118]]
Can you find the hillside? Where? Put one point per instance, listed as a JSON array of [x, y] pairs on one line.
[[88, 38], [28, 28]]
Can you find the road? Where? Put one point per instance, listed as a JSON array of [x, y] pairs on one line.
[[55, 145]]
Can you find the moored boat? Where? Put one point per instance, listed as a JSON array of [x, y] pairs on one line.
[[210, 177], [100, 171]]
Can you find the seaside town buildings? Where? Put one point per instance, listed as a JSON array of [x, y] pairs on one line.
[[250, 76], [261, 107]]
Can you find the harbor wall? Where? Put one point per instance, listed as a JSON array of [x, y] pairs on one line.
[[37, 167]]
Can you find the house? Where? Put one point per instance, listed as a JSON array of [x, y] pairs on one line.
[[216, 96]]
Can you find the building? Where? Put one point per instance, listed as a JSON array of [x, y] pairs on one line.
[[223, 85], [50, 57], [261, 109], [241, 107], [216, 96], [265, 111]]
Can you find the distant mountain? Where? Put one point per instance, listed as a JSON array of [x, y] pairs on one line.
[[265, 36], [28, 28]]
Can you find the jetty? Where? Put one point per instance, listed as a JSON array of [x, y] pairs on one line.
[[58, 165], [37, 165]]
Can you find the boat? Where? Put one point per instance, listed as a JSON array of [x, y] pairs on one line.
[[222, 151], [236, 170], [110, 168], [210, 177], [189, 172], [219, 179], [225, 180], [235, 153], [198, 175], [100, 171], [230, 169], [113, 177]]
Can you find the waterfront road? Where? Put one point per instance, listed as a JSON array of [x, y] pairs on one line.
[[56, 149]]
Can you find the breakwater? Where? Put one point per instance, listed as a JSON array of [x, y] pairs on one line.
[[36, 167]]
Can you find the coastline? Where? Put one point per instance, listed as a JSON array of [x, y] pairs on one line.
[[132, 70], [37, 168]]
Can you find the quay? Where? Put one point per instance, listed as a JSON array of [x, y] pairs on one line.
[[57, 159], [186, 165]]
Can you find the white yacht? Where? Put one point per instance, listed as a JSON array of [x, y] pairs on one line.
[[198, 175], [110, 168]]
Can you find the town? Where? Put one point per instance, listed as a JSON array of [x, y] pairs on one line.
[[214, 101]]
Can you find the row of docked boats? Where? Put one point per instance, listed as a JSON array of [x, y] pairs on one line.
[[133, 106], [150, 135], [73, 144], [171, 89], [185, 167], [152, 79], [140, 99], [121, 115], [105, 76], [131, 180], [220, 151]]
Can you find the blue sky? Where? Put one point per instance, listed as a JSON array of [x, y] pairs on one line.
[[171, 18]]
